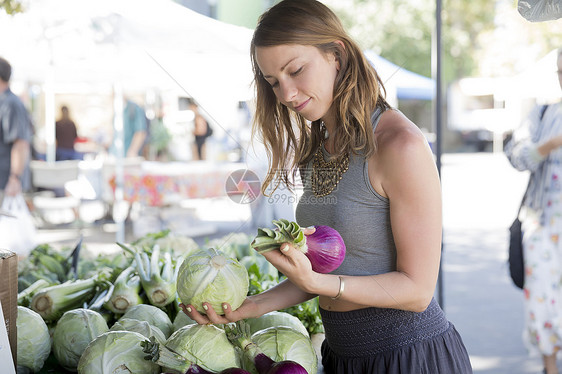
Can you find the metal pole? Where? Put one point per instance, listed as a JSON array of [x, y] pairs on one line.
[[438, 110]]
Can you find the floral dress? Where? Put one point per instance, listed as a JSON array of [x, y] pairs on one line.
[[542, 229], [543, 271]]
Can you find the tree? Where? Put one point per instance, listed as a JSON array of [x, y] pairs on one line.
[[11, 6], [479, 37]]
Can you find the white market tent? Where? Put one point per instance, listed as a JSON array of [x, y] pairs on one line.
[[404, 84], [104, 45]]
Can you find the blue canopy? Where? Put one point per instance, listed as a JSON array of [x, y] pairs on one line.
[[408, 85]]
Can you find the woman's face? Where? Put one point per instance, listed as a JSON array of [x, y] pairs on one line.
[[302, 77]]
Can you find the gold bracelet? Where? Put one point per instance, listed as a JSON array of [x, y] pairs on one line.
[[342, 287]]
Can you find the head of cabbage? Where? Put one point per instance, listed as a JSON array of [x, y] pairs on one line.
[[116, 352], [34, 341], [211, 276], [182, 320], [151, 314], [206, 346], [142, 327], [276, 319], [73, 332], [284, 343]]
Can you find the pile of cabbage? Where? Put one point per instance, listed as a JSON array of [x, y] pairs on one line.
[[94, 318]]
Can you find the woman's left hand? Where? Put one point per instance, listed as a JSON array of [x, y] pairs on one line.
[[293, 264]]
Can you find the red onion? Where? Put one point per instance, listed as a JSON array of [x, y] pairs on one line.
[[324, 248]]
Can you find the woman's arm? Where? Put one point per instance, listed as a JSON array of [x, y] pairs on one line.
[[525, 150]]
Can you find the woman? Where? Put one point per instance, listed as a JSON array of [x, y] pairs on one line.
[[368, 172], [536, 146]]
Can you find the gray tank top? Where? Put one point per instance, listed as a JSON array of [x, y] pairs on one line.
[[357, 212]]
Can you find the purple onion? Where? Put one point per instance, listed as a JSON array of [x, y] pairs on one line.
[[234, 371], [286, 367], [325, 249]]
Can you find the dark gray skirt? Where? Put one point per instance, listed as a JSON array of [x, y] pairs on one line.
[[377, 340]]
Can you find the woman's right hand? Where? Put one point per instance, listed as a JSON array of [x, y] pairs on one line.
[[248, 309]]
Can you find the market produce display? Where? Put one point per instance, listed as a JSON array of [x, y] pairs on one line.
[[91, 314]]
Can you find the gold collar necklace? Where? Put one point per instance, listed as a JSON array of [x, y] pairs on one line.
[[327, 174]]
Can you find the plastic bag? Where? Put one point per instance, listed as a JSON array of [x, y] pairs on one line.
[[17, 233], [540, 10]]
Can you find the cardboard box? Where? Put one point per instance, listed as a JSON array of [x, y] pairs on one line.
[[9, 296]]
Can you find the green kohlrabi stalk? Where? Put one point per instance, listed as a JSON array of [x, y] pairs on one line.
[[286, 232], [165, 357], [158, 280], [24, 297], [51, 302], [126, 291]]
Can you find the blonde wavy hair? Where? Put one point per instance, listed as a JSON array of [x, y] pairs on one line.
[[358, 90]]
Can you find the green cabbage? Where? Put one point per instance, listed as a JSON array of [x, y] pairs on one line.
[[182, 320], [34, 342], [211, 276], [204, 345], [153, 315], [73, 332], [276, 319], [142, 327], [116, 352], [284, 343]]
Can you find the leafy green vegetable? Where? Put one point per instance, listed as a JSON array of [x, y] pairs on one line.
[[158, 278], [73, 332], [142, 327], [116, 352], [126, 291], [24, 297], [211, 276], [33, 342], [309, 315], [51, 302], [151, 314], [273, 319], [204, 345]]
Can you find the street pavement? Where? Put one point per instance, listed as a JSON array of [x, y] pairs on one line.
[[481, 195]]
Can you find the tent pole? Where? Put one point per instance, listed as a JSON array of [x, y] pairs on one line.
[[120, 205], [50, 128], [438, 110]]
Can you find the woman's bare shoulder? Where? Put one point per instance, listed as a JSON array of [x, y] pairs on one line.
[[395, 132]]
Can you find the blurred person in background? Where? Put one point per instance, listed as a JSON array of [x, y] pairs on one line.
[[135, 130], [536, 146], [16, 132], [66, 135], [201, 131], [369, 173]]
